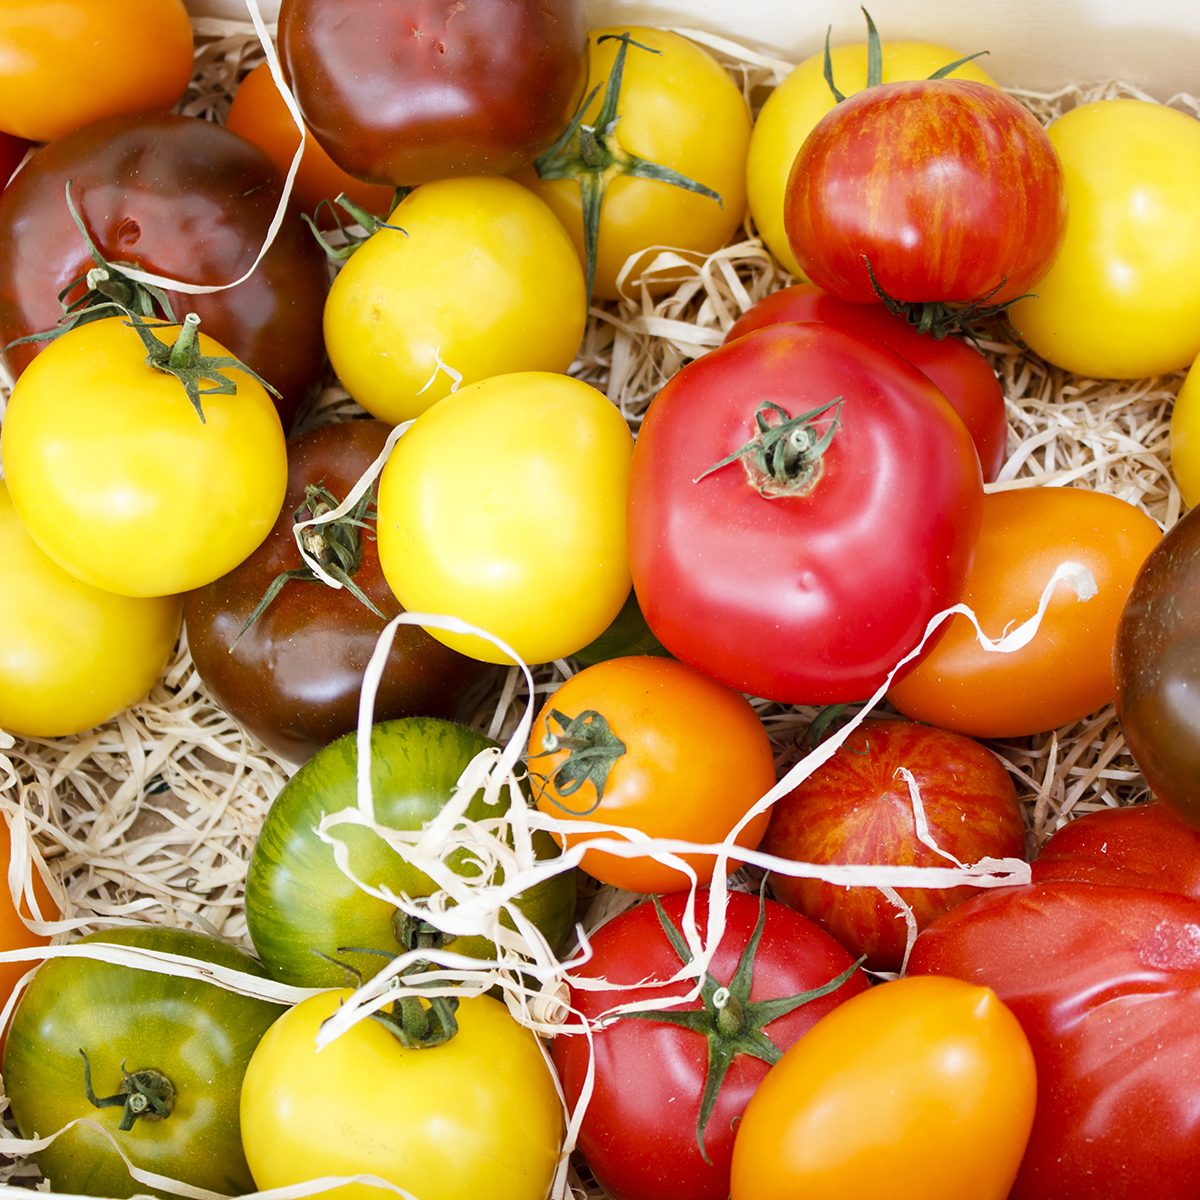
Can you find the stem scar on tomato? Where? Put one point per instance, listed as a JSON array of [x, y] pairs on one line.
[[590, 155], [731, 1022], [592, 750], [784, 458], [146, 1093]]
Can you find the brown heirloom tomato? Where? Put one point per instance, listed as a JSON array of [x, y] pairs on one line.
[[293, 678], [1156, 664], [949, 188], [408, 91], [177, 197]]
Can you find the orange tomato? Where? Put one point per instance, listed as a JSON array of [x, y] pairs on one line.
[[259, 114], [1065, 672], [658, 748], [919, 1089], [14, 933], [72, 62]]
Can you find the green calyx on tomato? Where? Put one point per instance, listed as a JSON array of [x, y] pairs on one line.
[[784, 457], [146, 1093], [590, 155], [732, 1023], [336, 545], [875, 60], [183, 359], [939, 319], [348, 236], [592, 749], [419, 1022]]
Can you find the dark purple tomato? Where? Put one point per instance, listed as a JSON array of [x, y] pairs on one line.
[[1156, 668], [294, 676], [177, 197], [961, 372], [408, 91]]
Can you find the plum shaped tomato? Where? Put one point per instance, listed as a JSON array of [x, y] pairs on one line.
[[177, 197], [927, 191], [1156, 667], [291, 672], [801, 504], [671, 1085], [960, 371], [140, 1062], [409, 91]]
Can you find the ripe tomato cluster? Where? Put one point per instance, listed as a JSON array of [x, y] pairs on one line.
[[304, 399]]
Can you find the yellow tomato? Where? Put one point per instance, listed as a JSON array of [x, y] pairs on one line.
[[117, 478], [478, 1115], [504, 505], [71, 656], [71, 62], [1185, 437], [482, 281], [1123, 299], [680, 109], [919, 1089], [801, 100]]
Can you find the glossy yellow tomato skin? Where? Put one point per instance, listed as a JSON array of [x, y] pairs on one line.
[[118, 480], [1123, 298], [1185, 437], [678, 108], [71, 62], [504, 505], [476, 1116], [1066, 671], [801, 100], [483, 279], [918, 1089], [71, 656]]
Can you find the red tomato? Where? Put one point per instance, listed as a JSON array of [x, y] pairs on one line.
[[259, 114], [857, 808], [1146, 845], [1066, 671], [948, 188], [408, 91], [1156, 668], [774, 587], [1105, 981], [960, 371], [622, 741], [641, 1131], [178, 197]]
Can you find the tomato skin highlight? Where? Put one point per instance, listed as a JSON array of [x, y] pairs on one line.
[[639, 1131], [917, 1089], [950, 188], [778, 598], [961, 372], [476, 1116], [409, 91]]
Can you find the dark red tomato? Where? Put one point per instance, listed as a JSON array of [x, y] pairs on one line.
[[950, 189], [181, 198], [960, 371], [640, 1133], [805, 583], [1105, 982], [1156, 668], [857, 808], [1146, 845], [12, 151], [408, 91], [293, 678]]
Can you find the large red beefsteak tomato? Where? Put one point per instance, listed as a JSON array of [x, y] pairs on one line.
[[801, 504]]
